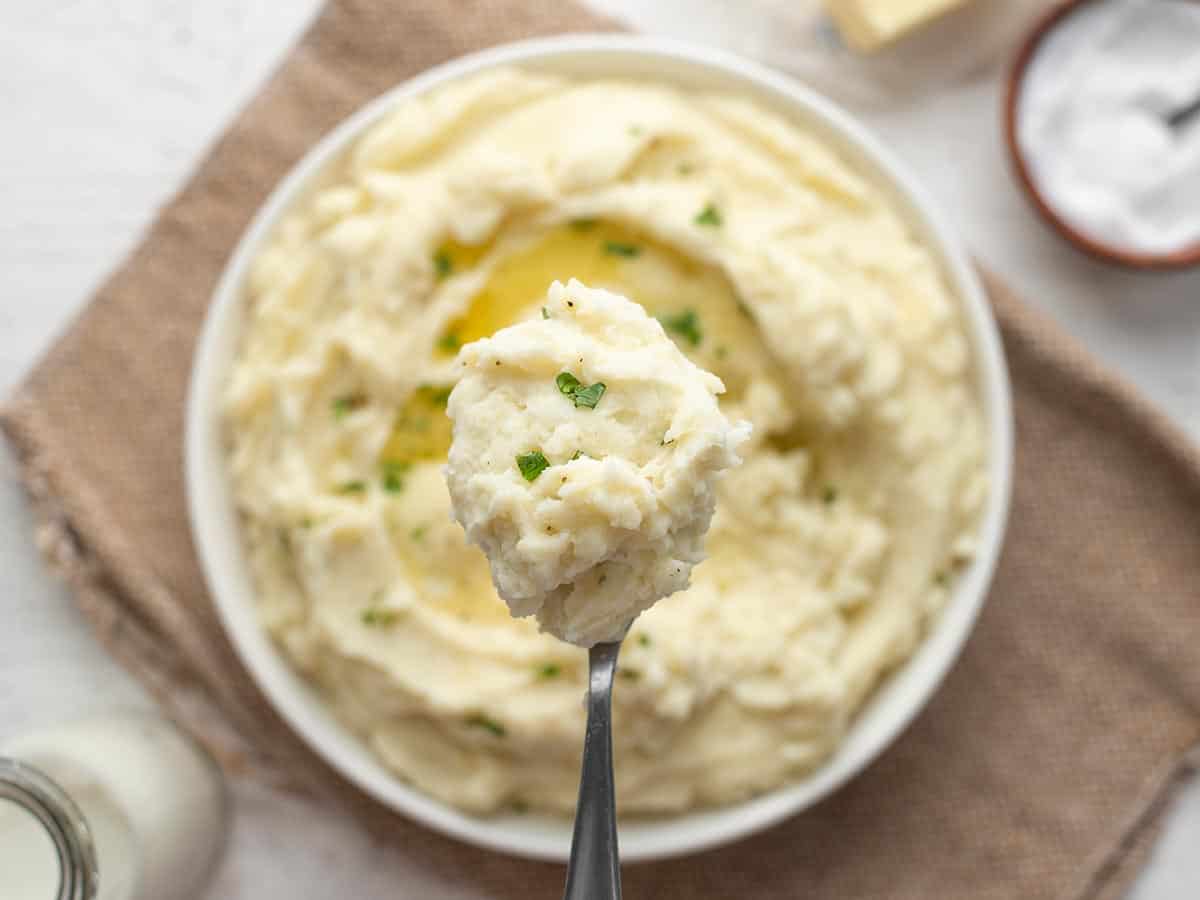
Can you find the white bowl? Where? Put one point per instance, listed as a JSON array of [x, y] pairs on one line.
[[215, 523]]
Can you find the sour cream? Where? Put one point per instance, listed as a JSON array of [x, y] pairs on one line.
[[1093, 123]]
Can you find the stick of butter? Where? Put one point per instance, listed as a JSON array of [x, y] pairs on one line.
[[868, 25]]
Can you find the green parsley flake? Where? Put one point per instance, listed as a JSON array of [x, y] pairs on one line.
[[722, 352], [393, 475], [685, 324], [545, 313], [578, 455], [418, 533], [582, 397], [443, 265], [710, 216], [685, 168], [379, 616], [518, 806], [744, 309], [629, 674], [352, 487], [829, 494], [620, 248], [584, 224], [588, 397], [645, 640], [532, 464], [941, 578], [449, 342], [348, 403], [567, 383], [479, 720], [549, 670]]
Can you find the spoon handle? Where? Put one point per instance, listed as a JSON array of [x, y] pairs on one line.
[[594, 872]]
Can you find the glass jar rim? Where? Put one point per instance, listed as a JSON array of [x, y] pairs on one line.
[[47, 803]]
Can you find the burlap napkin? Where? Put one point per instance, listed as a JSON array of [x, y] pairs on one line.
[[1039, 770]]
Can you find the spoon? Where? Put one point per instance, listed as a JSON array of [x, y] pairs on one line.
[[594, 872]]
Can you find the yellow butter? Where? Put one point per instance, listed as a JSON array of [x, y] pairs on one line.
[[868, 25]]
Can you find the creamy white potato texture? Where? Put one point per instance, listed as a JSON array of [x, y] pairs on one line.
[[771, 262], [584, 462]]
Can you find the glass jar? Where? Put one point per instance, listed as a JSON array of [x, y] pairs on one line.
[[120, 807]]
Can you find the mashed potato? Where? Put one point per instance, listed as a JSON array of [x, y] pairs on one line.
[[625, 430], [772, 263]]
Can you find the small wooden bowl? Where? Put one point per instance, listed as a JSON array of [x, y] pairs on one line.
[[1178, 259]]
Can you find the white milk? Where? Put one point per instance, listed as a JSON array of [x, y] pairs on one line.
[[28, 861], [153, 803]]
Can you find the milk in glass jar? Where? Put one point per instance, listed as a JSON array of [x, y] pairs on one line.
[[119, 807]]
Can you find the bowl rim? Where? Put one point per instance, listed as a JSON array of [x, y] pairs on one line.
[[1183, 258], [895, 702]]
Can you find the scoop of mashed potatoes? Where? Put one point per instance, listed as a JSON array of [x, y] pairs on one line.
[[584, 462], [771, 261]]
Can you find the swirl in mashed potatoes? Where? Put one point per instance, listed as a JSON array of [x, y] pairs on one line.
[[773, 264]]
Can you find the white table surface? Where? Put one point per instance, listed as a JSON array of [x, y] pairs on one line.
[[105, 107]]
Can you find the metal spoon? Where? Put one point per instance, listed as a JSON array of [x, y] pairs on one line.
[[594, 872]]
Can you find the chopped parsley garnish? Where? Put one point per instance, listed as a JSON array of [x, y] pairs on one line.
[[744, 309], [352, 487], [443, 265], [710, 216], [306, 522], [549, 670], [582, 397], [636, 130], [393, 475], [685, 168], [545, 313], [685, 324], [578, 455], [532, 464], [567, 383], [518, 806], [620, 248], [584, 224], [449, 342], [829, 494], [589, 396], [348, 403], [941, 578], [379, 616], [479, 720], [418, 533], [629, 674], [721, 352], [645, 640]]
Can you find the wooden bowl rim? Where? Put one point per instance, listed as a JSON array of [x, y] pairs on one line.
[[1176, 259]]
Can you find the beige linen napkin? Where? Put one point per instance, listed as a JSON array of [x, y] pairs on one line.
[[1038, 771]]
